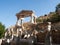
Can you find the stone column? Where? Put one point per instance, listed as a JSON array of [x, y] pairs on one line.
[[22, 23], [20, 31], [49, 29], [34, 19], [18, 22], [12, 33], [5, 34], [48, 39], [17, 32], [49, 26]]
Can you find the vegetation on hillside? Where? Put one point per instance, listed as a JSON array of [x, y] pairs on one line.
[[55, 17]]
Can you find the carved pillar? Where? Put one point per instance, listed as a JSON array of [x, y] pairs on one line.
[[32, 19]]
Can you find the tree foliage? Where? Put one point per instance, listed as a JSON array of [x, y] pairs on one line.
[[57, 7], [2, 30]]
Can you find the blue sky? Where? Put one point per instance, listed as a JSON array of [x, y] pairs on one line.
[[9, 8]]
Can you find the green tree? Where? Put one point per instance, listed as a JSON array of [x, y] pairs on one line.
[[57, 7], [2, 30]]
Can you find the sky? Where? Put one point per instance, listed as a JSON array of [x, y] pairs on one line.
[[9, 8]]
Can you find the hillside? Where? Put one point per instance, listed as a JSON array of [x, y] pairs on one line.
[[41, 26]]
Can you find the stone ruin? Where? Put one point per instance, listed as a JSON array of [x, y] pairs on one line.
[[20, 33]]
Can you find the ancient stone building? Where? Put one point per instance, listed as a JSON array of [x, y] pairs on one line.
[[20, 28]]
